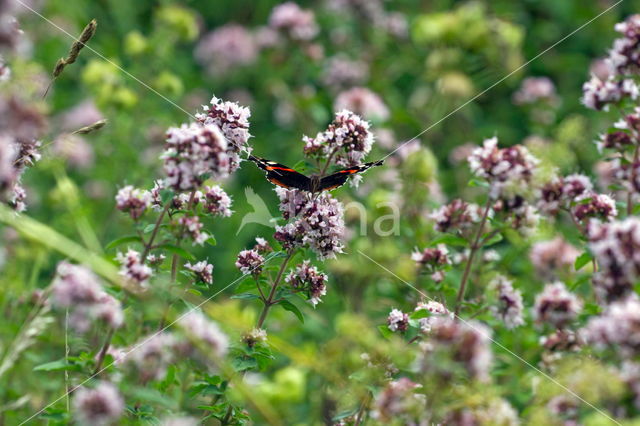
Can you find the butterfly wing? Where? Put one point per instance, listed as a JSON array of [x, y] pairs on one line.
[[282, 175], [339, 178]]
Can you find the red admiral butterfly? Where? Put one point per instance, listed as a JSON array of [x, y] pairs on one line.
[[286, 177]]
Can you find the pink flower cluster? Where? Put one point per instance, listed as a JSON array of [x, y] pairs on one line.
[[458, 215], [193, 153], [133, 201], [509, 307], [233, 120], [133, 269], [348, 138], [468, 343], [435, 310], [296, 23], [202, 270], [308, 279], [20, 127], [536, 89], [318, 222], [550, 256], [616, 247], [226, 48], [363, 102], [101, 405], [509, 171], [556, 305], [76, 288], [250, 262], [618, 326], [398, 320]]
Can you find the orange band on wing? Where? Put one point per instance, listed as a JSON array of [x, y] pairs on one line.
[[286, 169], [277, 182], [350, 171]]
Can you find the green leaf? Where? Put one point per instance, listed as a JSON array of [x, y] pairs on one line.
[[245, 296], [177, 250], [419, 314], [493, 240], [148, 228], [346, 414], [124, 240], [288, 306], [58, 365], [166, 195], [384, 330], [451, 240], [582, 260], [244, 363], [478, 183], [212, 241]]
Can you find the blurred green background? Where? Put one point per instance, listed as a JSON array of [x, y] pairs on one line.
[[448, 52]]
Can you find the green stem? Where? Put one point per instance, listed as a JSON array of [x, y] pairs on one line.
[[148, 246], [474, 248], [269, 302], [103, 351]]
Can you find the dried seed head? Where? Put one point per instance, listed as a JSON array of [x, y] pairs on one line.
[[91, 128], [57, 70], [85, 36]]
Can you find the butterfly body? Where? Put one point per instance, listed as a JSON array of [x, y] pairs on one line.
[[285, 176]]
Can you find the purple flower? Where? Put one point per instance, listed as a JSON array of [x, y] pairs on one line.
[[77, 289], [298, 24], [618, 326], [509, 307], [549, 256], [194, 227], [432, 259], [199, 327], [233, 120], [250, 262], [398, 320], [5, 71], [340, 71], [133, 201], [203, 271], [508, 170], [598, 94], [257, 335], [435, 309], [363, 102], [308, 279], [458, 215], [217, 202], [616, 247], [152, 355], [535, 89], [560, 192], [262, 246], [102, 405], [624, 57], [556, 305], [594, 205], [347, 137], [617, 139], [132, 268], [398, 402], [10, 31], [317, 222], [468, 343], [194, 152], [225, 48], [155, 260]]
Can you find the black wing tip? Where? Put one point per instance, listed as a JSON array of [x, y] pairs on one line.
[[377, 163]]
